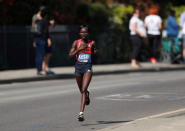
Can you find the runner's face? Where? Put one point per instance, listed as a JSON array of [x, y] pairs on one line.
[[84, 33]]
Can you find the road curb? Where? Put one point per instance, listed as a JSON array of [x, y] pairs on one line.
[[105, 72]]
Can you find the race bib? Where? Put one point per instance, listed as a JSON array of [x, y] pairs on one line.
[[84, 58]]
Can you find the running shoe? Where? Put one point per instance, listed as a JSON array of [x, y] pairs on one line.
[[49, 72], [81, 117], [153, 60], [87, 99]]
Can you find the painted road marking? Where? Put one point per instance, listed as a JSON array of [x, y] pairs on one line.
[[39, 126], [143, 96]]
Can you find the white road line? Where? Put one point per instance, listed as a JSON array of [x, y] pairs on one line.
[[160, 115]]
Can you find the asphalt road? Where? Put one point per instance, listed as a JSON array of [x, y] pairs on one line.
[[54, 105]]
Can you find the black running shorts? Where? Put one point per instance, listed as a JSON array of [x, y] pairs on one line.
[[81, 68]]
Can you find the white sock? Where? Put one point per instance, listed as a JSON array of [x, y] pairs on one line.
[[81, 113]]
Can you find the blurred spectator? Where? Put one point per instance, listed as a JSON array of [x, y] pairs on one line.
[[182, 24], [47, 57], [40, 22], [48, 51], [40, 28], [153, 23], [137, 32], [172, 26], [36, 17]]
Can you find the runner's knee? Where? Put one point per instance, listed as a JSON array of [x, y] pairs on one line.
[[83, 90]]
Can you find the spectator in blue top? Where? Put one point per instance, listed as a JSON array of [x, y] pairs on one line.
[[182, 24], [172, 26]]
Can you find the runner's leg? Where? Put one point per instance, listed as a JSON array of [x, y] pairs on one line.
[[85, 83], [79, 82]]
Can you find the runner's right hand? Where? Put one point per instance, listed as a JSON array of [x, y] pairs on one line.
[[82, 46]]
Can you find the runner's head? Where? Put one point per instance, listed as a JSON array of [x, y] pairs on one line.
[[84, 31]]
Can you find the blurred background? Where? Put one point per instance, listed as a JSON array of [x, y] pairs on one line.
[[108, 24]]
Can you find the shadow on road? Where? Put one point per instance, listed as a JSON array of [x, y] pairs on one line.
[[107, 122]]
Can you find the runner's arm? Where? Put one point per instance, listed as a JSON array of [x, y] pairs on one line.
[[94, 50], [73, 50]]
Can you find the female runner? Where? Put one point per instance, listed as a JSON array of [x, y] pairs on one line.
[[83, 49]]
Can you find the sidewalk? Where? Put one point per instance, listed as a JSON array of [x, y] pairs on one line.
[[169, 121], [24, 75]]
